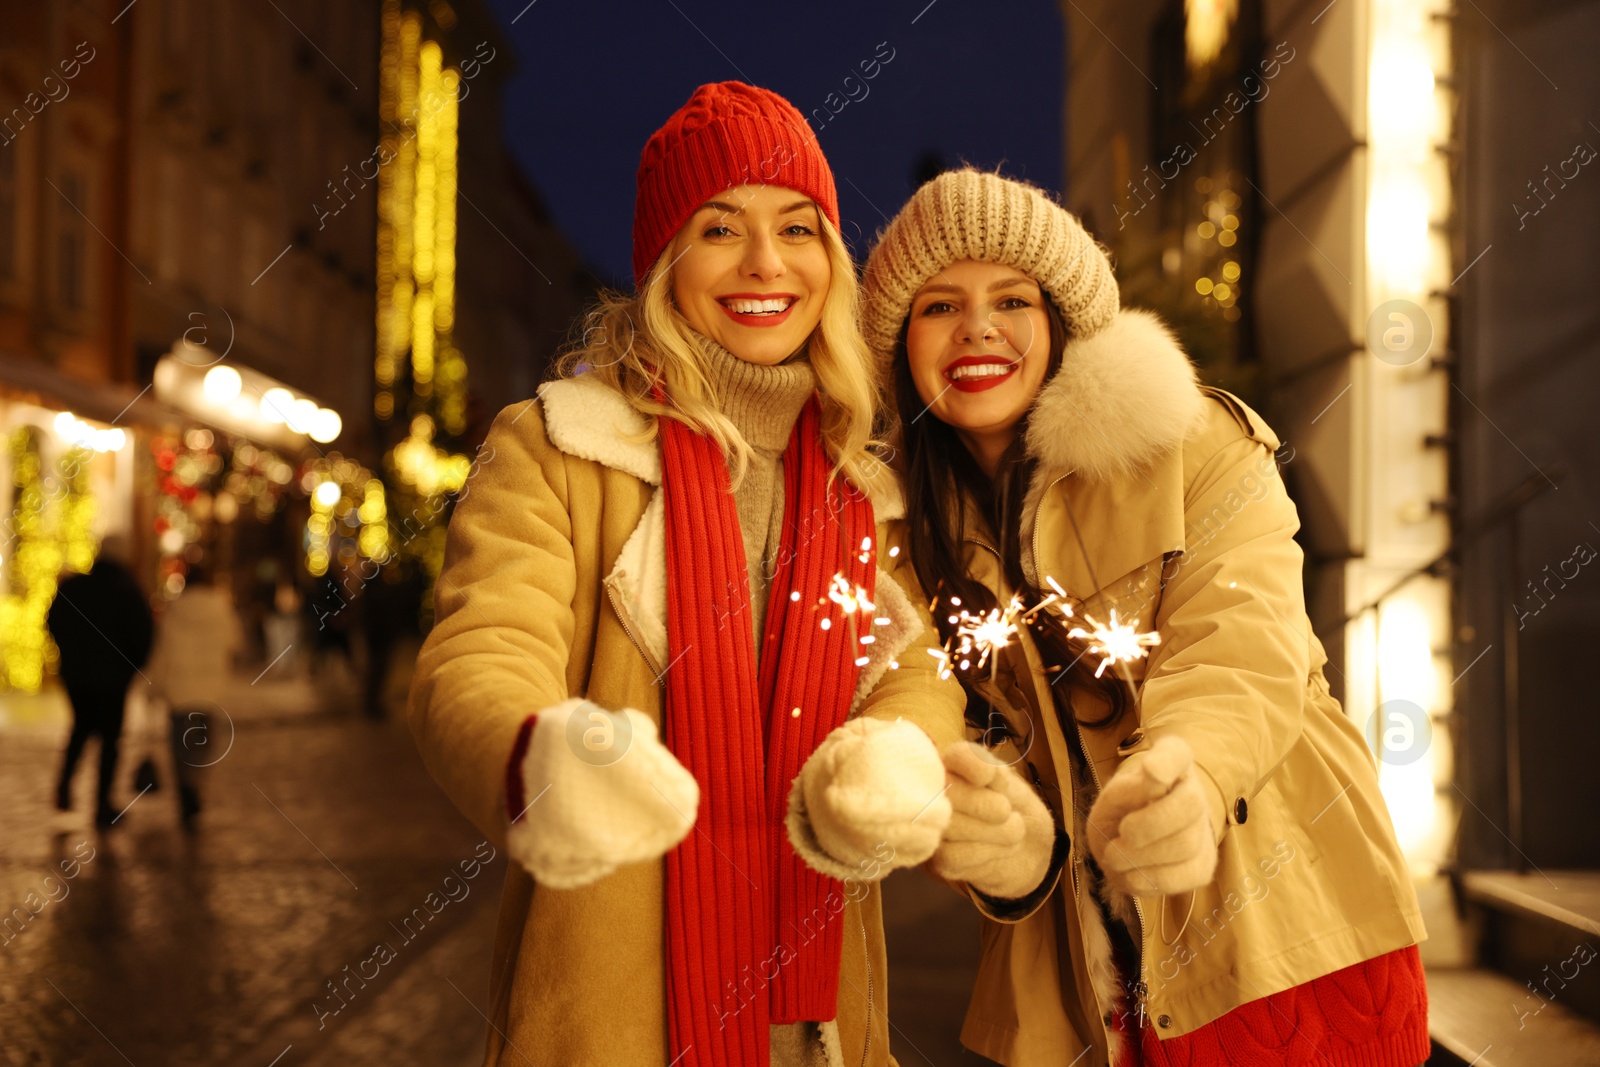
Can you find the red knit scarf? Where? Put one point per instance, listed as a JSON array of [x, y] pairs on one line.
[[739, 952]]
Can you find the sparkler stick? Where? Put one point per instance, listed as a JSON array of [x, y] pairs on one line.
[[1128, 645]]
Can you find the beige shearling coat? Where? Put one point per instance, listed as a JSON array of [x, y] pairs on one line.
[[1188, 530], [554, 585]]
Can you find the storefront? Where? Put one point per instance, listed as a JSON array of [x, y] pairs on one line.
[[214, 465]]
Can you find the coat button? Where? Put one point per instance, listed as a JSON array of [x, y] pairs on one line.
[[1108, 1018], [1131, 740], [1164, 1021], [1241, 810]]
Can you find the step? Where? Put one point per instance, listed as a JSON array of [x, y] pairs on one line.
[[1543, 929], [1475, 1017], [1566, 898]]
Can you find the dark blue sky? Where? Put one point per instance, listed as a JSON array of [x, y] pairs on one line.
[[969, 80]]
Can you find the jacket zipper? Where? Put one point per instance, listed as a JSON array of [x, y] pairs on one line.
[[866, 946], [1140, 989], [627, 628]]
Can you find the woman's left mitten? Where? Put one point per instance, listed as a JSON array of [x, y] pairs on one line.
[[589, 791], [1151, 828]]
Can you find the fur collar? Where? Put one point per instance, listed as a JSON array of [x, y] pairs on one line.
[[1121, 399], [588, 419]]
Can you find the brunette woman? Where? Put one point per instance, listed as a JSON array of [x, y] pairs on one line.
[[1229, 890]]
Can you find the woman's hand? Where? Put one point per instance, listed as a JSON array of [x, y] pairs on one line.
[[598, 791], [870, 798], [1151, 828], [1001, 835]]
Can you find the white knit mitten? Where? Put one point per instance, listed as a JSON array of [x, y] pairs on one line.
[[1001, 834], [600, 791], [1151, 827], [868, 800]]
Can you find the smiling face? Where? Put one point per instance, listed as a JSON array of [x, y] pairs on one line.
[[750, 271], [978, 346]]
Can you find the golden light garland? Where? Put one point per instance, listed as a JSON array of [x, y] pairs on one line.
[[419, 109], [49, 530], [346, 517], [419, 106]]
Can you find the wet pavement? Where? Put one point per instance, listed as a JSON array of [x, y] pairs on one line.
[[148, 945], [307, 919]]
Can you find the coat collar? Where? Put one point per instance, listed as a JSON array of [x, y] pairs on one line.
[[587, 418], [1108, 429]]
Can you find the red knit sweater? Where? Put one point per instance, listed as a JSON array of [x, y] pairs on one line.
[[1371, 1014]]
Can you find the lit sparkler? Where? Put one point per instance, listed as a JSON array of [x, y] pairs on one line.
[[981, 636], [1117, 643], [854, 600], [850, 598], [988, 633]]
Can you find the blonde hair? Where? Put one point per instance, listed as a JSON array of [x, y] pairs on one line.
[[635, 341]]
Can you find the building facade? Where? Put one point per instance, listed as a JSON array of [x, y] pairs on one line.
[[197, 275]]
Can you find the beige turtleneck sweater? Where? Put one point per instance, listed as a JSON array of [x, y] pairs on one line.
[[763, 403]]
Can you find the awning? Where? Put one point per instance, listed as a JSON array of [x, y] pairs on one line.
[[242, 400]]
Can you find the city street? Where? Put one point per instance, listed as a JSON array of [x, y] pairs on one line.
[[321, 835]]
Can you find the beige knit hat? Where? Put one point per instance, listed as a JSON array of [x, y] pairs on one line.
[[972, 214]]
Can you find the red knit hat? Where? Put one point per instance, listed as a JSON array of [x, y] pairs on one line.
[[728, 134]]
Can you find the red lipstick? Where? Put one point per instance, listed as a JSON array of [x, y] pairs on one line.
[[978, 385], [758, 319]]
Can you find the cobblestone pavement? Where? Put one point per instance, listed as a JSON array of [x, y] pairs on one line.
[[321, 836], [153, 946]]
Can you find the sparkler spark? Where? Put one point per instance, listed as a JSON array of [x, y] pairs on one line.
[[850, 598], [1117, 643], [986, 634], [981, 636]]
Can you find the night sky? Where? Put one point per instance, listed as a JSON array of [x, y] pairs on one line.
[[967, 81]]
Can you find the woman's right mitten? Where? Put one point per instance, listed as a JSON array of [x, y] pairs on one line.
[[1001, 835], [868, 800], [588, 791]]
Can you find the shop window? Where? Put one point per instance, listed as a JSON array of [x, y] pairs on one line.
[[1192, 205]]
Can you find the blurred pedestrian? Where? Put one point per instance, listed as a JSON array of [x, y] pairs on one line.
[[281, 630], [389, 615], [190, 671], [330, 623], [102, 626]]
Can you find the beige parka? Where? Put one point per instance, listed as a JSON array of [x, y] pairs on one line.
[[1188, 530], [554, 585]]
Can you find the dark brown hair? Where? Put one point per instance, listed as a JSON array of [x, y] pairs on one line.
[[940, 478]]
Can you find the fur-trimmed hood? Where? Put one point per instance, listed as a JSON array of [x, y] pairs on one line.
[[1122, 398]]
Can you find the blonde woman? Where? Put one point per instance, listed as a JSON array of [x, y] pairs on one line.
[[670, 669], [1229, 890]]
